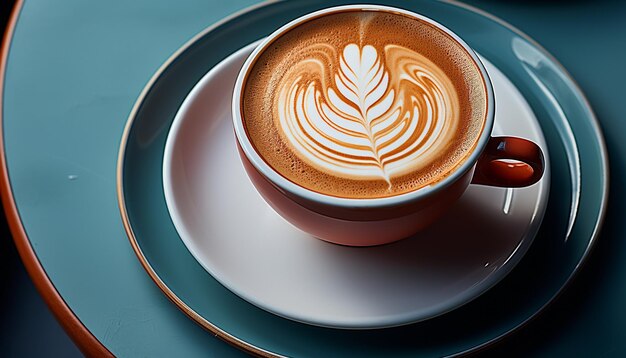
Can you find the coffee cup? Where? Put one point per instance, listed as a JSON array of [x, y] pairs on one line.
[[362, 124]]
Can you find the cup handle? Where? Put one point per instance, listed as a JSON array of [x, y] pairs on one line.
[[509, 162]]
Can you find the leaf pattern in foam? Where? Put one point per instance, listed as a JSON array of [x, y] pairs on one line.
[[362, 81], [375, 118]]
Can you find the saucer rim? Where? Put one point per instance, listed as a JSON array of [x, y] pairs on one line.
[[479, 287]]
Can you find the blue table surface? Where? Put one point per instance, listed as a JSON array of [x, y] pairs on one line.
[[587, 37]]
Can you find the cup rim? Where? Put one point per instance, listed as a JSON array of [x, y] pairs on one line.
[[286, 185]]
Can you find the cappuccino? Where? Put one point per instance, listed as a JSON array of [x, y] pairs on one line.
[[364, 104]]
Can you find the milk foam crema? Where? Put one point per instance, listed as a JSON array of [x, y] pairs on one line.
[[364, 104]]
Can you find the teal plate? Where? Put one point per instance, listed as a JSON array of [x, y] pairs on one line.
[[579, 180]]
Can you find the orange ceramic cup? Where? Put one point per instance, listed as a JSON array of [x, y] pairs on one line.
[[495, 161]]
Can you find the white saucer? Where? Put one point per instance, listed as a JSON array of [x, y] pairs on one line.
[[251, 250]]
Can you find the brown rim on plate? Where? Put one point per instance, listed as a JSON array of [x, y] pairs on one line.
[[87, 343], [84, 339]]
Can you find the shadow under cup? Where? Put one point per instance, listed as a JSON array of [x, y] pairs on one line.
[[494, 161]]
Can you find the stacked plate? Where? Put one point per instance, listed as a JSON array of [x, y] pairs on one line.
[[227, 260]]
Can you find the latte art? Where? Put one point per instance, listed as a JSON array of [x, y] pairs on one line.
[[375, 119], [363, 104]]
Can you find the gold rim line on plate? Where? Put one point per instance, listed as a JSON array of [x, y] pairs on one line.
[[220, 333], [259, 351]]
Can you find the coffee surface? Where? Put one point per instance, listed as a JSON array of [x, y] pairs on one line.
[[364, 104]]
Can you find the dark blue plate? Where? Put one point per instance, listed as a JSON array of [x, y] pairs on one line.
[[579, 180]]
